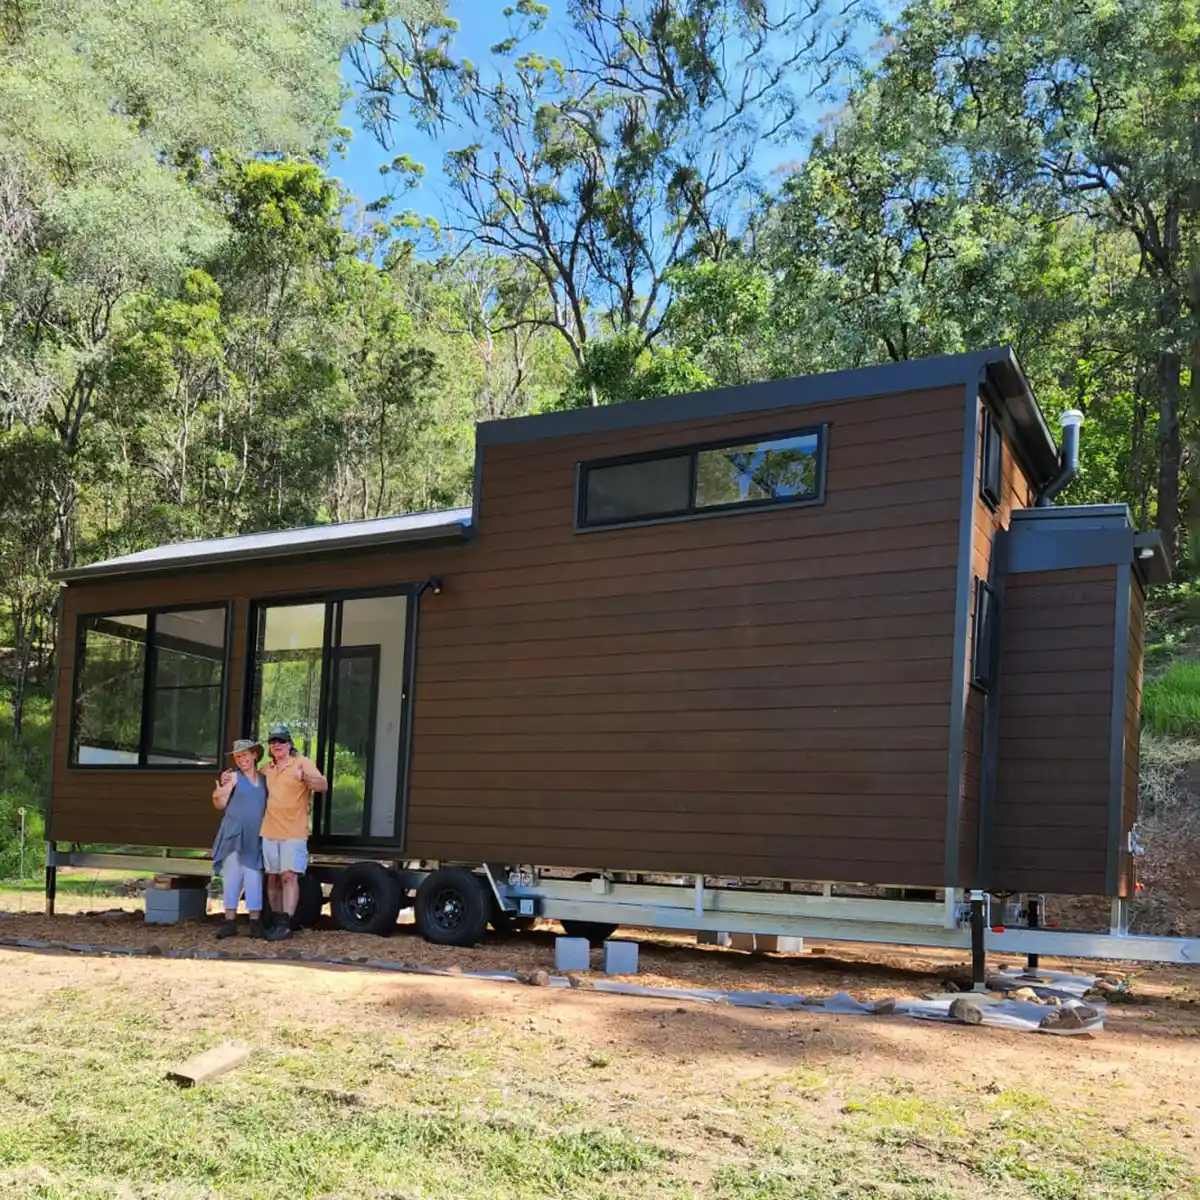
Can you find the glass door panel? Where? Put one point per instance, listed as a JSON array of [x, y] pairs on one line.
[[289, 671], [352, 736], [335, 671]]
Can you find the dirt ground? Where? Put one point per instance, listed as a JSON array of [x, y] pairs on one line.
[[725, 1085]]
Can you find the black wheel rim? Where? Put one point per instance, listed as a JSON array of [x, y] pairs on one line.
[[448, 909], [361, 903]]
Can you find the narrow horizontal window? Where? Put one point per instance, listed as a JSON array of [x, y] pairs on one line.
[[990, 465], [983, 641], [150, 689], [702, 480]]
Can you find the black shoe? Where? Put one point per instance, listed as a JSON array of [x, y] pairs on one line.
[[278, 932], [256, 929], [228, 929]]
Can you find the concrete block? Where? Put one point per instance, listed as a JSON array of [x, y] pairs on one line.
[[572, 954], [165, 907], [620, 958]]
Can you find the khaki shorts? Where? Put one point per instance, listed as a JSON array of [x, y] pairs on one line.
[[288, 854]]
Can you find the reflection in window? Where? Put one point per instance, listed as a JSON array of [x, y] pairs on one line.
[[109, 681], [189, 661], [287, 674], [756, 472], [149, 689]]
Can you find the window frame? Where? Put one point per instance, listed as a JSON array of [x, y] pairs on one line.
[[151, 613], [990, 435], [693, 450], [985, 597], [319, 838]]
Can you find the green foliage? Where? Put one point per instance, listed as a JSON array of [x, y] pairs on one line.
[[24, 783], [1171, 702]]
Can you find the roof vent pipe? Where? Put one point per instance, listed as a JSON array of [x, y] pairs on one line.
[[1068, 457]]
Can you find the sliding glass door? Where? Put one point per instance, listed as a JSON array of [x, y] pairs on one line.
[[335, 672]]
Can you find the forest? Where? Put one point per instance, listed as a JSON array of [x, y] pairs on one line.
[[203, 332]]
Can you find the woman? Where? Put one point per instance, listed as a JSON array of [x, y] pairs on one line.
[[241, 795]]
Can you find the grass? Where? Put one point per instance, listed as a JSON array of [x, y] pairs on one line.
[[1171, 702], [457, 1105]]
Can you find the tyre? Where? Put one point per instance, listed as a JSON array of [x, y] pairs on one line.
[[596, 932], [452, 908], [366, 899], [312, 901]]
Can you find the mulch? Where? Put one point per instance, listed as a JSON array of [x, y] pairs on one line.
[[665, 960]]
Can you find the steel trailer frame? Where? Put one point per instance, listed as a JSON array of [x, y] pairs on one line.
[[959, 920]]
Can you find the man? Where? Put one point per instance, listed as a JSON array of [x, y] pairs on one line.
[[291, 780]]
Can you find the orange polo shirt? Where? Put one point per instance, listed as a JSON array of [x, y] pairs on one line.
[[288, 799]]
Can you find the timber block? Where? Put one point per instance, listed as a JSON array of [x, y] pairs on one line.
[[767, 943], [706, 937]]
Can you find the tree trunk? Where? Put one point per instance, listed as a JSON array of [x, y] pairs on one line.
[[1170, 452]]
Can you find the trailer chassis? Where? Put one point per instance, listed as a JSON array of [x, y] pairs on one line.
[[974, 922]]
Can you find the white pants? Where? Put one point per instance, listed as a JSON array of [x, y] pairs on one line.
[[236, 876]]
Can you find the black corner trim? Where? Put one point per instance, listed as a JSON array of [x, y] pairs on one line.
[[1116, 749]]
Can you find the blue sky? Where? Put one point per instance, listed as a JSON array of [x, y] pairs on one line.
[[481, 25]]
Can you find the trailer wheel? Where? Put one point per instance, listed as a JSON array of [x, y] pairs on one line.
[[312, 901], [451, 908], [366, 899], [596, 932]]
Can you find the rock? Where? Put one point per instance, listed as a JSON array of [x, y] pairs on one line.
[[883, 1008], [539, 979], [1074, 1015], [1025, 993], [1115, 980], [951, 986], [1106, 987], [966, 1010], [154, 950]]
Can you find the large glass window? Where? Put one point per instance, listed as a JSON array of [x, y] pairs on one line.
[[149, 689], [722, 477]]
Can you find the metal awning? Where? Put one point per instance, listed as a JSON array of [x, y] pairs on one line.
[[450, 524]]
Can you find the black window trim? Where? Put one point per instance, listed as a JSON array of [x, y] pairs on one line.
[[339, 843], [148, 665], [694, 450], [983, 681], [990, 432]]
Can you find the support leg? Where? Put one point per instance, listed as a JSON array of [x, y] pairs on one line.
[[51, 888], [978, 951], [1033, 919]]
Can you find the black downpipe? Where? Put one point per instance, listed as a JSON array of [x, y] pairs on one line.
[[1068, 458]]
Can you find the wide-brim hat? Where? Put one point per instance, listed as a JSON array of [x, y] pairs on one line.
[[246, 744]]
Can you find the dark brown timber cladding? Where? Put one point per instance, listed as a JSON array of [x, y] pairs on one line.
[[758, 694], [761, 694], [1053, 772], [174, 808], [1015, 494], [1133, 731]]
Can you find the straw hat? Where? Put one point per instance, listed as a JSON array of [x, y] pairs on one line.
[[246, 744]]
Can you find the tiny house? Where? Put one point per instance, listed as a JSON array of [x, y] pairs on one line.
[[730, 660]]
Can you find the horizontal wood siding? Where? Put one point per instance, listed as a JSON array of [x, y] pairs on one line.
[[1052, 797], [174, 808], [761, 694], [1015, 494]]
